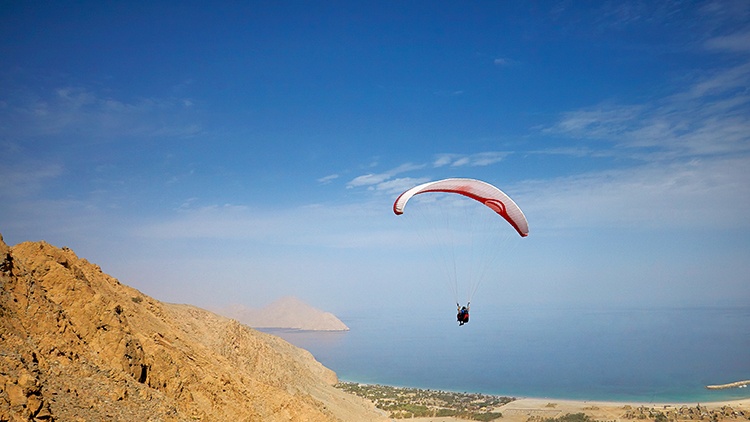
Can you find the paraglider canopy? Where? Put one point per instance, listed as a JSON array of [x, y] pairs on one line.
[[475, 189]]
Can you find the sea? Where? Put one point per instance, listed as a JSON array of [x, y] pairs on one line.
[[665, 355]]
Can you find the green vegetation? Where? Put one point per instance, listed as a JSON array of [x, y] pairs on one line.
[[571, 417], [660, 417], [403, 403]]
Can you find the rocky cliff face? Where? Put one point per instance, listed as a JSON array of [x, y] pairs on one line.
[[287, 312], [77, 345]]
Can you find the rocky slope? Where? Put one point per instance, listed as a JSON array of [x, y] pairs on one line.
[[287, 312], [77, 345]]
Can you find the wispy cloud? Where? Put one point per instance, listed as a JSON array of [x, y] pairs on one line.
[[328, 179], [373, 179], [368, 179], [721, 14], [701, 194], [709, 117], [602, 122], [722, 83], [396, 186], [692, 146], [388, 182], [470, 160], [26, 180], [316, 225], [26, 113], [738, 43], [504, 62]]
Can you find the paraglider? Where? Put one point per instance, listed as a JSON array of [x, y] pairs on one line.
[[463, 314], [483, 193], [477, 190]]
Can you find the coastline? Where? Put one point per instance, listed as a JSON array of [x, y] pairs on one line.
[[540, 409], [401, 403], [523, 409]]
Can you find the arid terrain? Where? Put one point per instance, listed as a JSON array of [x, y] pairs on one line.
[[77, 345]]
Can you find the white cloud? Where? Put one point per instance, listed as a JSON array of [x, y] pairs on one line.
[[725, 82], [487, 158], [372, 179], [314, 225], [443, 160], [710, 193], [368, 179], [396, 186], [328, 179], [721, 14], [386, 182], [694, 146], [472, 160], [27, 179], [504, 62], [736, 43], [90, 115], [603, 121], [709, 117], [213, 222]]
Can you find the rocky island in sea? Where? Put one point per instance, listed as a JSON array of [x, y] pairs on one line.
[[288, 313]]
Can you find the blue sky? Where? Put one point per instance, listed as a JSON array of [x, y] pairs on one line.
[[238, 152]]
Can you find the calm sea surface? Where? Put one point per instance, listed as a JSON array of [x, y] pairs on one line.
[[665, 355]]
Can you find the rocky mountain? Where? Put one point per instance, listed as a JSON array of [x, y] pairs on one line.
[[287, 312], [77, 345]]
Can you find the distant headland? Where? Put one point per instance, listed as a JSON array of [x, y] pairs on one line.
[[288, 313]]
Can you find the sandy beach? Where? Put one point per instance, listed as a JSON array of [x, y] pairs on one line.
[[526, 409]]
